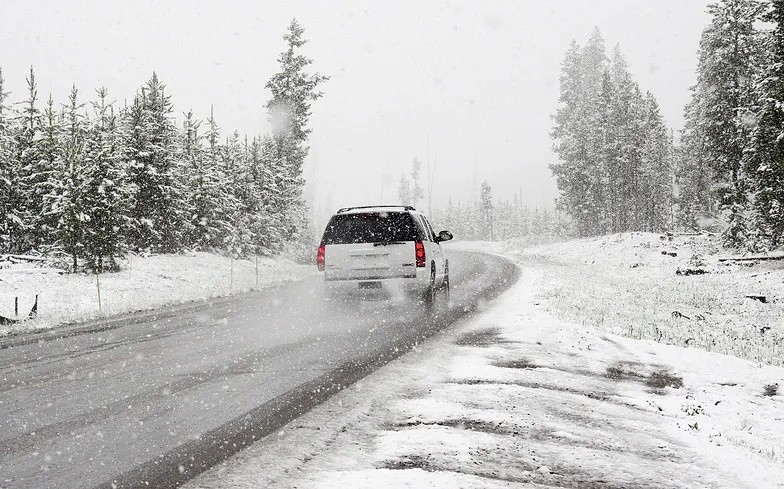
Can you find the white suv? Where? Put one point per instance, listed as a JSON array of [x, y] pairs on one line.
[[384, 247]]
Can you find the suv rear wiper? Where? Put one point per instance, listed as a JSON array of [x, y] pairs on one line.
[[385, 243]]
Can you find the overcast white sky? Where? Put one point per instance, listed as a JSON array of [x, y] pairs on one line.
[[439, 80]]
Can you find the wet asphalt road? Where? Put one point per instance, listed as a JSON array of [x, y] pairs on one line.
[[154, 399]]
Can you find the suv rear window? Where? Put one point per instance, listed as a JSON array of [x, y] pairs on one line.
[[370, 227]]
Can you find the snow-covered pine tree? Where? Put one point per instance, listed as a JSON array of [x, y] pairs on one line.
[[655, 172], [65, 199], [200, 203], [577, 139], [222, 214], [52, 167], [159, 210], [293, 91], [106, 193], [625, 175], [260, 215], [32, 175], [210, 196], [600, 135], [191, 155], [599, 212], [728, 54], [568, 143], [10, 220], [135, 135], [239, 242], [274, 185], [693, 173], [765, 155]]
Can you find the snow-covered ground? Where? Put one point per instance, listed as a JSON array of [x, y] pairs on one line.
[[144, 283], [516, 396], [630, 284]]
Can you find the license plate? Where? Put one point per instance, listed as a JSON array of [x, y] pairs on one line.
[[370, 285]]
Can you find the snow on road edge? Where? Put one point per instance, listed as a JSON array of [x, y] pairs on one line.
[[516, 396]]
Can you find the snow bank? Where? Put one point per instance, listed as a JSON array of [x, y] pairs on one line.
[[144, 283]]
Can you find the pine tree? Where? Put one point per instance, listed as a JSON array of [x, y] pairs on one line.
[[765, 158], [106, 194], [600, 210], [236, 168], [293, 91], [210, 194], [655, 171], [594, 126], [95, 188], [159, 212], [32, 172], [569, 140], [628, 117], [693, 174], [729, 50], [276, 201], [579, 143], [192, 159], [10, 221], [261, 216], [52, 166], [603, 127], [65, 199]]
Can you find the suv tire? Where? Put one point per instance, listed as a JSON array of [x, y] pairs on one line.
[[431, 293]]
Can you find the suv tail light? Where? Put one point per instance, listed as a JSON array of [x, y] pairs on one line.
[[419, 252], [320, 256]]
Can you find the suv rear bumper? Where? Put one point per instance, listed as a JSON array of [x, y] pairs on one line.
[[369, 277], [409, 285]]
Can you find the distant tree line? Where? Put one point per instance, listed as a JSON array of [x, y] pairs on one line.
[[618, 169], [94, 180], [491, 219], [731, 157], [615, 153]]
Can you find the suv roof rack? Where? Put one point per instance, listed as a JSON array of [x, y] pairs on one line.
[[404, 207]]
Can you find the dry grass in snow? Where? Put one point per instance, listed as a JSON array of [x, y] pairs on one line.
[[629, 284]]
